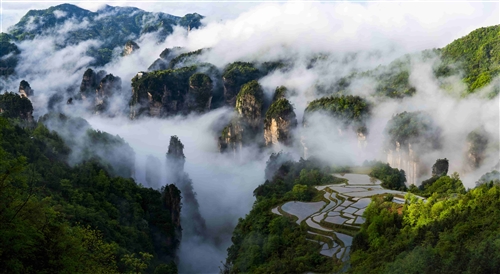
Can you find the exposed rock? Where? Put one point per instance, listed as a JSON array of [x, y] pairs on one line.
[[477, 141], [175, 156], [159, 93], [440, 168], [9, 55], [234, 76], [406, 159], [108, 86], [192, 221], [361, 139], [130, 47], [25, 89], [166, 56], [16, 106], [247, 125], [274, 163], [191, 21], [199, 96], [171, 198], [168, 92], [231, 138], [410, 135], [279, 122], [90, 82]]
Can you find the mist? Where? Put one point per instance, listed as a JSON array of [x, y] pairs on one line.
[[355, 37]]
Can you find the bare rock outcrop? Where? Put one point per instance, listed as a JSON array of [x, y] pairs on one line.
[[25, 89], [130, 47], [246, 127], [192, 221], [279, 123]]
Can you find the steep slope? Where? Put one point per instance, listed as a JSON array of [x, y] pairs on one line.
[[113, 26]]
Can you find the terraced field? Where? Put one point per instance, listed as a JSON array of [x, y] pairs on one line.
[[333, 222]]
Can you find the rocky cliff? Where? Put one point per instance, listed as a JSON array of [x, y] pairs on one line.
[[171, 201], [409, 136], [199, 96], [279, 123], [129, 48], [25, 89], [246, 127], [9, 55], [234, 77], [15, 106], [406, 159], [108, 86], [192, 221], [90, 83], [170, 92], [476, 143]]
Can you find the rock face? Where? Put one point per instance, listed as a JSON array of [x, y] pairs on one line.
[[406, 159], [129, 48], [171, 200], [199, 96], [247, 125], [25, 89], [96, 89], [279, 122], [440, 168], [476, 143], [9, 55], [409, 136], [234, 76], [169, 92], [90, 82], [166, 56], [15, 106], [108, 86], [192, 221]]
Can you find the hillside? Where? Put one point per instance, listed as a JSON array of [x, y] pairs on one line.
[[113, 26]]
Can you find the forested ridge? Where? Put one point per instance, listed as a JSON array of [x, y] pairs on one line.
[[57, 218]]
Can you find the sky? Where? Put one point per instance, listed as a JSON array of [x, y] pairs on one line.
[[444, 20]]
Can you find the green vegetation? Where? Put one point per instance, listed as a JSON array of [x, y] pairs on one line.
[[441, 186], [279, 93], [452, 232], [234, 76], [350, 110], [251, 89], [173, 84], [493, 176], [391, 178], [114, 30], [280, 108], [391, 81], [8, 55], [182, 59], [14, 106], [240, 73], [264, 242], [56, 218], [476, 54], [412, 128]]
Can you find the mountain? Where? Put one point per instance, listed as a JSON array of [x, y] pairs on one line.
[[111, 26]]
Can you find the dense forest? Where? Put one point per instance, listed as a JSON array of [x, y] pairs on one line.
[[57, 217]]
